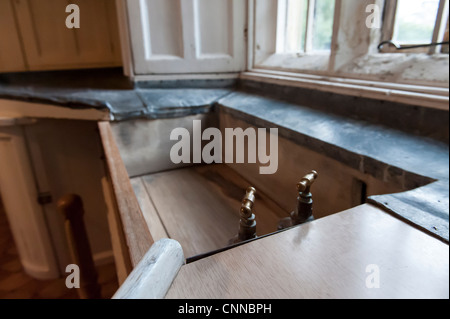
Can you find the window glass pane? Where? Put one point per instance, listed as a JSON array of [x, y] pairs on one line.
[[415, 20], [323, 25]]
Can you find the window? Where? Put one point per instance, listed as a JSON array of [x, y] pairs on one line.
[[293, 34], [415, 20], [409, 23], [329, 45], [304, 26]]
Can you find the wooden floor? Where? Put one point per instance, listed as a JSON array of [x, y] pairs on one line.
[[199, 206], [16, 284]]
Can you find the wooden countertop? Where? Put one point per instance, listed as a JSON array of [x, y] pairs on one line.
[[334, 257]]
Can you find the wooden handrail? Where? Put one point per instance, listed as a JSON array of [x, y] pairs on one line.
[[71, 206], [154, 274]]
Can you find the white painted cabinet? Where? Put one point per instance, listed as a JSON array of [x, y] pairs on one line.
[[187, 36]]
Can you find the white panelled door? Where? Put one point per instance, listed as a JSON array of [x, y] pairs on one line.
[[187, 36]]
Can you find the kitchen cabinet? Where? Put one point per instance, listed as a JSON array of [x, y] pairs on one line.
[[35, 36]]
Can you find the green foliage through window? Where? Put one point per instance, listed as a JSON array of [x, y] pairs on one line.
[[323, 24]]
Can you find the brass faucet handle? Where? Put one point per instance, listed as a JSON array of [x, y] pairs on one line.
[[306, 181], [248, 201], [250, 195]]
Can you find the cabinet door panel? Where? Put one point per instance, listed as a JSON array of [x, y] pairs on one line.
[[11, 56], [187, 36], [49, 44]]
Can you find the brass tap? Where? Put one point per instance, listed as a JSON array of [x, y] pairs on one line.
[[247, 202], [303, 210], [306, 182], [247, 223]]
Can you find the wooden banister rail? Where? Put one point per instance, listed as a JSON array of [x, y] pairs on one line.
[[71, 206], [154, 274]]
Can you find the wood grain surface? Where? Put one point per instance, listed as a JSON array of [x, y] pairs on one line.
[[137, 234], [199, 206], [329, 258]]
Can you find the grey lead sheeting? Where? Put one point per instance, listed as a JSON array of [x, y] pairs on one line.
[[123, 104]]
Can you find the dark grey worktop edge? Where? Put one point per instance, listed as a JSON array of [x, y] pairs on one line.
[[73, 103], [428, 218], [123, 104]]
